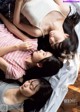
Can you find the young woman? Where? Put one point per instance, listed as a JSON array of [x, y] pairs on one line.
[[48, 17], [17, 56], [13, 97]]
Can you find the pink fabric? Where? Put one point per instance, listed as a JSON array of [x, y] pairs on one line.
[[16, 60]]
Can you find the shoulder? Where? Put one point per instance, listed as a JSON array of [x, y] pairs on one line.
[[64, 6]]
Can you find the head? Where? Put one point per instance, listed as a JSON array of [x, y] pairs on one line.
[[65, 43], [40, 55], [37, 56], [45, 64], [30, 87], [42, 94], [57, 36]]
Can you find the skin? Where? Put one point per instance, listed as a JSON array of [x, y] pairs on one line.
[[56, 36], [29, 88], [3, 63], [20, 94], [49, 25], [24, 46], [12, 28], [33, 59], [40, 55]]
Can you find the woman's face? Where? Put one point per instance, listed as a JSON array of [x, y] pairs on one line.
[[40, 55], [30, 87], [56, 36]]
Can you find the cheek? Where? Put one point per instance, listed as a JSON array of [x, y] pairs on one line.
[[35, 58], [51, 40], [27, 93], [39, 57]]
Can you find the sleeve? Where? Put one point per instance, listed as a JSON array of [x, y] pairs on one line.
[[14, 72]]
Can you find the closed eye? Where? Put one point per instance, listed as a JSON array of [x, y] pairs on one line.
[[44, 54], [31, 87]]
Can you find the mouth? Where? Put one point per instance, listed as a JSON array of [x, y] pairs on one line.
[[21, 87], [33, 53], [51, 42], [36, 51]]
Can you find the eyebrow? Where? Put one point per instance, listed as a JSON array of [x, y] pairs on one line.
[[33, 86]]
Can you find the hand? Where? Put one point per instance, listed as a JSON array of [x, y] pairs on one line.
[[25, 46]]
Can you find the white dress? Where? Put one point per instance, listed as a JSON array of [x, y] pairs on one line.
[[36, 10]]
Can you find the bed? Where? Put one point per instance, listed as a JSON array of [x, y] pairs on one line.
[[66, 76]]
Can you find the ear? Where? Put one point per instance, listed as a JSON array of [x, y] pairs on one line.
[[66, 35], [39, 65]]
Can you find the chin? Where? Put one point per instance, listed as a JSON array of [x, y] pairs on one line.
[[21, 88], [34, 53]]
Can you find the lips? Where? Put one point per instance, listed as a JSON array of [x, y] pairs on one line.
[[51, 42], [21, 87]]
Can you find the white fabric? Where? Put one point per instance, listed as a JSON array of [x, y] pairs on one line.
[[77, 5], [66, 76], [36, 10]]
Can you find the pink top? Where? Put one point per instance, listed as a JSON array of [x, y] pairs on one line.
[[16, 60]]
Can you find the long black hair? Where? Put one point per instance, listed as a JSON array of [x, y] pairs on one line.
[[69, 44], [38, 100], [50, 66]]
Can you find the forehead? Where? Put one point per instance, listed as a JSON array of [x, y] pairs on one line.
[[35, 83]]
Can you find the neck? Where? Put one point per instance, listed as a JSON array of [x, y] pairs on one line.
[[14, 96], [19, 96], [30, 61]]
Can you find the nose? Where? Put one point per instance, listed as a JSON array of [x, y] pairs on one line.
[[41, 50], [26, 84], [51, 33], [51, 40]]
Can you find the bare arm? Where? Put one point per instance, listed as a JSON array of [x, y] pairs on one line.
[[4, 50], [31, 30], [63, 6], [59, 1], [7, 49], [13, 29], [24, 46], [3, 64]]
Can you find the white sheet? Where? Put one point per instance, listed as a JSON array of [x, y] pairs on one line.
[[67, 75]]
